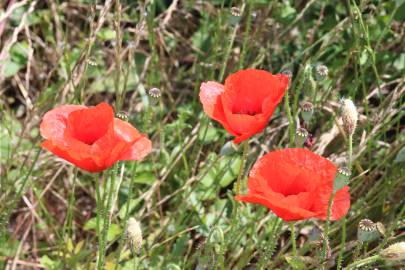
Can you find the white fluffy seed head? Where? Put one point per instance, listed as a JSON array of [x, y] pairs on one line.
[[395, 252], [349, 116], [134, 234]]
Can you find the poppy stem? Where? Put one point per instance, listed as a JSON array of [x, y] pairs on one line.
[[294, 244], [242, 167], [343, 241], [290, 118], [326, 233]]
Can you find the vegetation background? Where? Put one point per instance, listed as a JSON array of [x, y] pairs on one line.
[[55, 52]]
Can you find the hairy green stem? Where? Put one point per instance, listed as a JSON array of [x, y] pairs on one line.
[[294, 244], [290, 118], [242, 167], [363, 262], [327, 225]]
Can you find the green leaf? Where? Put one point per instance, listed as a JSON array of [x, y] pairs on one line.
[[106, 34], [295, 262], [400, 156], [146, 178], [11, 68]]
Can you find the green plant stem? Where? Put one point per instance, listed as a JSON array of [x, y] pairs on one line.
[[343, 241], [242, 167], [294, 244], [106, 221], [290, 118], [363, 262], [326, 233]]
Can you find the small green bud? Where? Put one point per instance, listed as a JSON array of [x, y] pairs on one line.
[[307, 111], [341, 179], [301, 134], [367, 231], [228, 149]]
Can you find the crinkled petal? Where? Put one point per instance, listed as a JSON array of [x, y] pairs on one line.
[[285, 211], [340, 206], [87, 164], [90, 124], [54, 121]]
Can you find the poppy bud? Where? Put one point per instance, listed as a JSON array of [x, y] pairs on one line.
[[307, 110], [342, 178], [395, 252], [228, 149], [134, 234], [321, 72], [301, 136], [155, 92], [381, 228], [367, 231], [349, 116]]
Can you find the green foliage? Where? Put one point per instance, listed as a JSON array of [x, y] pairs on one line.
[[182, 193]]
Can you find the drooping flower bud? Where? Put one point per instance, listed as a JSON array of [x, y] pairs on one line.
[[134, 234], [349, 116], [307, 110], [228, 149], [301, 135], [395, 252], [342, 178], [367, 231]]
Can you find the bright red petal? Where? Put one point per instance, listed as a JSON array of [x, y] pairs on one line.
[[340, 206], [140, 145], [88, 125], [85, 163]]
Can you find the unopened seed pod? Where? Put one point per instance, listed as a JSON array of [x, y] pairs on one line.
[[155, 92], [301, 135], [134, 234], [349, 116], [342, 178], [395, 252], [321, 72], [307, 111], [228, 149], [367, 231]]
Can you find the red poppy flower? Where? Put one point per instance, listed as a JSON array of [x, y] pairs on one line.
[[245, 103], [90, 137], [296, 184]]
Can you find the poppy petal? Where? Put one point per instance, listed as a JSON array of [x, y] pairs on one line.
[[90, 124], [54, 121], [84, 163], [340, 206], [140, 146]]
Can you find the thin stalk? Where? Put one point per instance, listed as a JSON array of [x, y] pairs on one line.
[[106, 221], [294, 244], [363, 262], [327, 225], [69, 215], [125, 221], [290, 118], [242, 167], [343, 241]]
